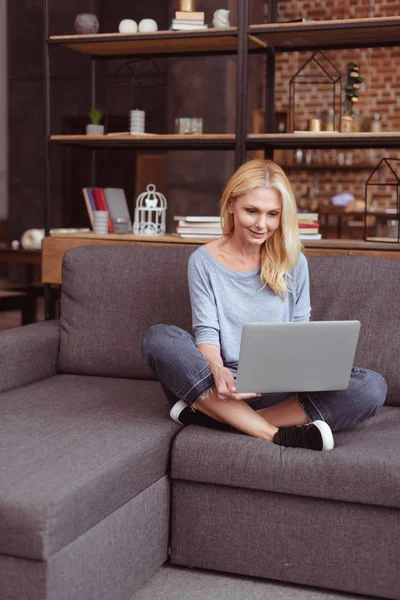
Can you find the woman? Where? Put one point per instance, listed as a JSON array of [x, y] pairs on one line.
[[260, 242]]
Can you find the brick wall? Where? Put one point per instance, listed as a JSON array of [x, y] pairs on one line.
[[379, 93]]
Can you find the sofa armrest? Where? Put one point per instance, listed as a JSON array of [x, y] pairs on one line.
[[28, 353]]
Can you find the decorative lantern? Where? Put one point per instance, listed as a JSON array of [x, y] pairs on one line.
[[150, 212], [382, 187], [313, 77]]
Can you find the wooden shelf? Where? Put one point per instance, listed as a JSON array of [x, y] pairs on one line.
[[343, 33], [328, 167], [323, 140], [375, 244], [224, 141], [130, 237], [55, 246], [165, 43]]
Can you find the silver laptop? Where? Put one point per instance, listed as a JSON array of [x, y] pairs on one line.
[[296, 357]]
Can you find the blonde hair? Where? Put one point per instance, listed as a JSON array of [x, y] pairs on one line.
[[281, 251]]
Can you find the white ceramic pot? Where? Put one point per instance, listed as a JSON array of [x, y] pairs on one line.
[[221, 18], [148, 25], [127, 26], [94, 129]]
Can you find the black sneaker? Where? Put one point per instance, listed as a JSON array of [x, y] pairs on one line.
[[184, 414], [314, 436]]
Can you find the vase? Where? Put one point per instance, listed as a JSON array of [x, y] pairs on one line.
[[148, 25], [347, 125], [221, 18], [86, 23], [127, 26], [92, 129]]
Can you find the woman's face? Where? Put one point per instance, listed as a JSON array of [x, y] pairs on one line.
[[256, 214]]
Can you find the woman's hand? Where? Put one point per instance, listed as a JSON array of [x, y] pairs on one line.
[[225, 385]]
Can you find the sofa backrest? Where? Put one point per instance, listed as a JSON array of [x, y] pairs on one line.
[[112, 295], [368, 289]]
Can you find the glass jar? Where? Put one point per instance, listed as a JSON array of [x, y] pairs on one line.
[[376, 123], [121, 225], [347, 125]]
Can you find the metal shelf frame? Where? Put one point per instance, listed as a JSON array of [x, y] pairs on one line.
[[279, 37]]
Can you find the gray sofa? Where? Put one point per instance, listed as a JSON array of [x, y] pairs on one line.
[[89, 457]]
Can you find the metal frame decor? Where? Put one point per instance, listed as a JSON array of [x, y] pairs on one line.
[[137, 74], [392, 166], [325, 78]]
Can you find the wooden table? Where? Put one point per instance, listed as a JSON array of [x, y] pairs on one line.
[[28, 257], [55, 246], [21, 297], [341, 215]]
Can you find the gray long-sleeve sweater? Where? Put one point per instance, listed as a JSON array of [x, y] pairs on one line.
[[223, 300]]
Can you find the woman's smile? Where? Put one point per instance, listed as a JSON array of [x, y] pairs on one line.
[[258, 233]]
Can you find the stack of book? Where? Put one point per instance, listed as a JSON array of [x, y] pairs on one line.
[[309, 226], [188, 21], [112, 200], [198, 227]]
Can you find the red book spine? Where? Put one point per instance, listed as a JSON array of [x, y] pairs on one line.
[[307, 225], [101, 204]]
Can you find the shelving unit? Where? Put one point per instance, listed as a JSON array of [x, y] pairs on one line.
[[160, 43], [241, 41], [223, 141], [323, 140], [329, 35]]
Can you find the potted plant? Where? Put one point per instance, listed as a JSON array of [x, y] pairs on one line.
[[352, 93], [94, 127]]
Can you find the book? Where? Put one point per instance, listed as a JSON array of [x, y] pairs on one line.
[[183, 22], [190, 15], [101, 204], [307, 216], [313, 236], [305, 223], [308, 224], [308, 230], [117, 204], [198, 235], [90, 206], [190, 225], [197, 230], [91, 198], [187, 27], [197, 219]]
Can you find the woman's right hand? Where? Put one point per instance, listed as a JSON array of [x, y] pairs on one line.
[[226, 387]]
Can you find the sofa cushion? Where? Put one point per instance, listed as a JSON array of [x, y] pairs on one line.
[[110, 296], [367, 289], [73, 450], [363, 467]]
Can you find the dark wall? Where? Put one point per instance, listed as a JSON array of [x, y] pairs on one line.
[[203, 87], [206, 87], [70, 100]]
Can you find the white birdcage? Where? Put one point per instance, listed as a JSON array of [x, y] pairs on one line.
[[150, 212]]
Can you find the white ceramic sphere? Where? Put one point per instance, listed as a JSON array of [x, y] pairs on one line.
[[148, 25], [127, 26]]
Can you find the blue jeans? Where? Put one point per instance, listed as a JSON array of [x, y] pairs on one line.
[[185, 374]]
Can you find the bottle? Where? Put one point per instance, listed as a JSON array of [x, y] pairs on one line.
[[330, 120], [376, 123]]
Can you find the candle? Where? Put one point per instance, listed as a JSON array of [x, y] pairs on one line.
[[187, 5], [136, 121]]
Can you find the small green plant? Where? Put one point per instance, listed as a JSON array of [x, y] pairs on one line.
[[96, 115]]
